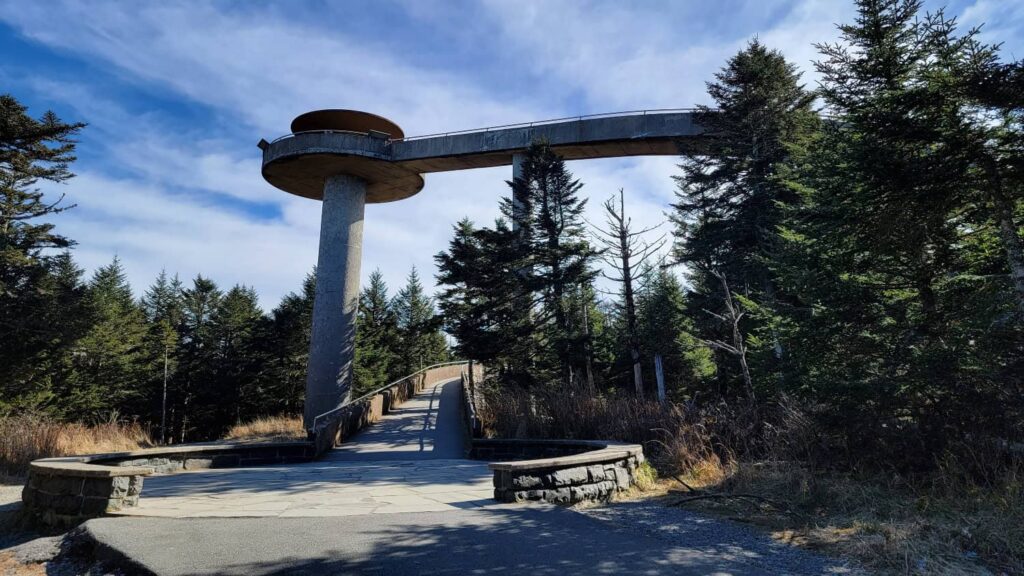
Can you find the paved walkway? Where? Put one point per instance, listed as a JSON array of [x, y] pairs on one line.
[[503, 541], [399, 499], [411, 461]]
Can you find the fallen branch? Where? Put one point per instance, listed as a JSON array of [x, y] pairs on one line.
[[718, 495], [688, 487]]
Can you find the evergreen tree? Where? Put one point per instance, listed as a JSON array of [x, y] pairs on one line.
[[555, 254], [38, 385], [666, 331], [31, 151], [285, 339], [238, 361], [107, 364], [198, 356], [377, 339], [901, 323], [163, 307], [483, 299], [730, 197], [419, 327]]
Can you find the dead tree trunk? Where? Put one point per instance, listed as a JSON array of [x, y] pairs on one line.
[[738, 347], [625, 251]]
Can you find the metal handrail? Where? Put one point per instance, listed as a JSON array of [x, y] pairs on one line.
[[378, 390], [549, 121], [499, 127], [294, 134]]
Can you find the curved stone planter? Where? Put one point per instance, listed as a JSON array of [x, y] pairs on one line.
[[65, 491], [560, 471]]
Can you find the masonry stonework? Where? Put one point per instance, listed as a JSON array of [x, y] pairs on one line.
[[598, 481]]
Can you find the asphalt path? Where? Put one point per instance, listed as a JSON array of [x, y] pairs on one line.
[[528, 540]]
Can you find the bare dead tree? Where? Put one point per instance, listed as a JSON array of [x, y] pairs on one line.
[[738, 347], [625, 251]]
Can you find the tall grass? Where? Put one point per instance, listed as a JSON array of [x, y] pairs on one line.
[[26, 437], [269, 428], [962, 515]]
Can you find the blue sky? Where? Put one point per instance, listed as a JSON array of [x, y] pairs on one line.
[[177, 94]]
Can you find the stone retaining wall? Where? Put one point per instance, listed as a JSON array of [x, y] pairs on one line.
[[66, 497], [556, 471], [566, 485], [559, 471]]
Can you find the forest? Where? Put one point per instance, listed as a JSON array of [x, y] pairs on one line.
[[832, 313], [853, 249]]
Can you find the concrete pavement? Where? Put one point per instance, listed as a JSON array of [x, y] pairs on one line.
[[411, 461], [364, 510], [508, 539]]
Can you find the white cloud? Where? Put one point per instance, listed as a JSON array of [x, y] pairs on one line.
[[189, 197]]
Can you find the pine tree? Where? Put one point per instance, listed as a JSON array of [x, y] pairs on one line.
[[730, 197], [377, 338], [419, 327], [107, 364], [555, 252], [31, 151]]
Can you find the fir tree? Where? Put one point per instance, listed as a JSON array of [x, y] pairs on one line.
[[163, 307], [666, 331], [555, 255], [198, 355], [730, 196], [286, 342], [377, 339], [422, 342], [107, 364], [483, 299], [31, 151]]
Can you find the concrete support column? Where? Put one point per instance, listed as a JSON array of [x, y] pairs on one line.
[[332, 341]]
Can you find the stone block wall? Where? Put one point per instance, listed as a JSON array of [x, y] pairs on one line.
[[63, 500], [571, 484]]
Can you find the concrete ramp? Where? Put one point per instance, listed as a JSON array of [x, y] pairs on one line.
[[425, 427], [410, 461]]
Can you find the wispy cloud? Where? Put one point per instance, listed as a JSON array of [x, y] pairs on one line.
[[182, 191]]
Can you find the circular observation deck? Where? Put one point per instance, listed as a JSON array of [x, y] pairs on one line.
[[331, 142]]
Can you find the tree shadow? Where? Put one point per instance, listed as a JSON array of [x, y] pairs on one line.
[[535, 540]]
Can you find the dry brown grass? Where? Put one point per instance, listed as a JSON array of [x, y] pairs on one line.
[[26, 437], [889, 525], [966, 517], [269, 429]]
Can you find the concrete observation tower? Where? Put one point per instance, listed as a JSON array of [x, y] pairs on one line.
[[347, 158]]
